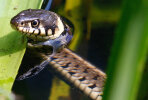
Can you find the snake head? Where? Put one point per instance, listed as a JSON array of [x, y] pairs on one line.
[[39, 25], [42, 28]]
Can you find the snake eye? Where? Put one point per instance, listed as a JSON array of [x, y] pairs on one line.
[[34, 23], [22, 23]]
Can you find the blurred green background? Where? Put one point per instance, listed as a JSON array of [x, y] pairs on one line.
[[111, 34]]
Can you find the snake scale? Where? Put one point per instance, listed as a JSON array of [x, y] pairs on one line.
[[46, 28]]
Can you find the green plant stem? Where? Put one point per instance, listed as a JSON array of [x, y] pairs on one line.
[[72, 12], [129, 52]]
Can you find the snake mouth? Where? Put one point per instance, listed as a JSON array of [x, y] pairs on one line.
[[37, 34], [34, 37]]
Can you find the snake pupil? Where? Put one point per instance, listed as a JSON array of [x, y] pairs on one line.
[[34, 23], [22, 23]]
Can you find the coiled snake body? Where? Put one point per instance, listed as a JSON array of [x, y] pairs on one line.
[[45, 28]]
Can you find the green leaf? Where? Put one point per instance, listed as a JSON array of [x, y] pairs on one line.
[[12, 43], [129, 52]]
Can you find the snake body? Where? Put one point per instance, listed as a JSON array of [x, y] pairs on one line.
[[80, 73], [47, 28]]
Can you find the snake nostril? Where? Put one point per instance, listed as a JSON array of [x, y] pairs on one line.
[[13, 23]]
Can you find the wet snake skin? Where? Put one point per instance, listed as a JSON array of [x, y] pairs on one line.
[[80, 73]]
